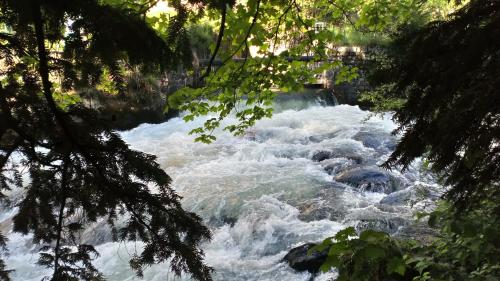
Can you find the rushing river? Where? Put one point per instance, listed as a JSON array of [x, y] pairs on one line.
[[299, 177]]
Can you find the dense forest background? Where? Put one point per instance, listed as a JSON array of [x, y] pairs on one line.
[[437, 67]]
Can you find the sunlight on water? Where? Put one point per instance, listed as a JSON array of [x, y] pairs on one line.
[[261, 194]]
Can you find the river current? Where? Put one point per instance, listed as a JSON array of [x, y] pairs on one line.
[[298, 177]]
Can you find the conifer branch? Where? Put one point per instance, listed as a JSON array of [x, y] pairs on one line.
[[63, 198]]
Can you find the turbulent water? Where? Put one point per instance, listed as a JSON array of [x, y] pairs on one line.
[[298, 177]]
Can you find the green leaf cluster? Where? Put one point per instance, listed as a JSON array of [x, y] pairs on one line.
[[372, 255], [266, 46], [466, 248]]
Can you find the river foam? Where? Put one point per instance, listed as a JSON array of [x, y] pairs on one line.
[[262, 193]]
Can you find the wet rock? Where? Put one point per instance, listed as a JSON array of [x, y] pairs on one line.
[[320, 138], [349, 92], [321, 156], [357, 159], [395, 209], [412, 195], [222, 220], [341, 165], [419, 231], [390, 144], [371, 179], [388, 225], [352, 152], [379, 141], [298, 258], [315, 139], [401, 197], [368, 139], [312, 212], [327, 205], [379, 217], [282, 240]]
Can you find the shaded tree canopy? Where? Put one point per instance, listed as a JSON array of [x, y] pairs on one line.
[[449, 73], [280, 33], [78, 170], [443, 82]]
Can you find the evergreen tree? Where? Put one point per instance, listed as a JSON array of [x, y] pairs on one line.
[[444, 80], [79, 170], [449, 74]]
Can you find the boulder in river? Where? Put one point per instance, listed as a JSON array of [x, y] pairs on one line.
[[390, 225], [338, 165], [412, 194], [322, 212], [371, 179], [327, 205], [298, 258], [222, 220], [380, 218], [321, 156], [420, 231], [369, 139], [377, 140], [401, 197], [322, 137]]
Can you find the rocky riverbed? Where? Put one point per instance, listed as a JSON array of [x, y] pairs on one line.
[[294, 179]]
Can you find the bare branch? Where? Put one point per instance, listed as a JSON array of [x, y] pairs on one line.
[[247, 35], [219, 41], [346, 15]]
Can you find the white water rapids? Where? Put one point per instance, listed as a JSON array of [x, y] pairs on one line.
[[261, 194]]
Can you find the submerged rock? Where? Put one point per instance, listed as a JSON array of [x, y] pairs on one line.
[[401, 197], [321, 156], [388, 225], [412, 195], [338, 165], [369, 139], [384, 218], [222, 220], [310, 213], [322, 137], [328, 204], [419, 231], [298, 258], [376, 140], [371, 179], [321, 211]]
